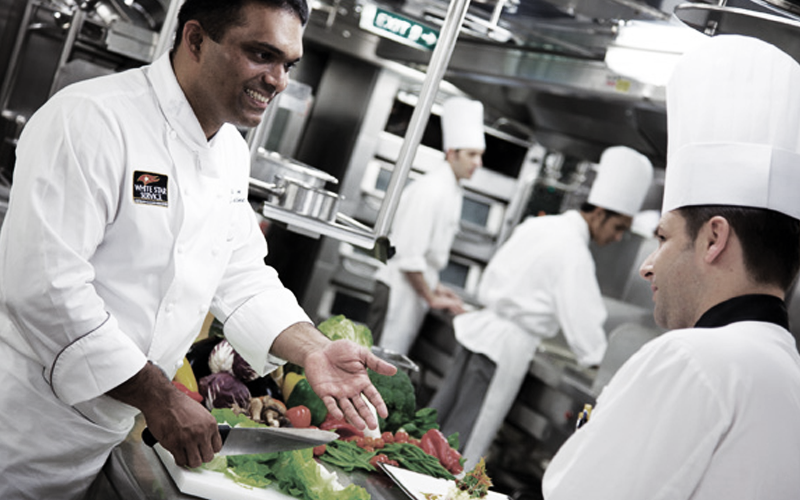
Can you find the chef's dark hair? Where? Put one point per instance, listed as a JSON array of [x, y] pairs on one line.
[[770, 240], [589, 207], [216, 16]]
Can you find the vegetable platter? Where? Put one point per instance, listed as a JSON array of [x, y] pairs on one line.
[[221, 380]]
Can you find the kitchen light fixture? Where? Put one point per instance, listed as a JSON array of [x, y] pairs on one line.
[[648, 50]]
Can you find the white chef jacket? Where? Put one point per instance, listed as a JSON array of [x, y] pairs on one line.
[[423, 230], [700, 414], [125, 227], [540, 280]]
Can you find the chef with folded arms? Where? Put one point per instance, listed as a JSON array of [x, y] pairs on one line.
[[423, 231], [709, 410], [128, 223], [540, 281]]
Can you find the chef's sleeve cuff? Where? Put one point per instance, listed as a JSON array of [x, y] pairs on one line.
[[94, 364], [253, 327], [411, 264]]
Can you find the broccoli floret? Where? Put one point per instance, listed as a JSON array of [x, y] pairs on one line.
[[398, 394]]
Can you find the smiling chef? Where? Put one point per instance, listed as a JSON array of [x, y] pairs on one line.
[[709, 410], [128, 222]]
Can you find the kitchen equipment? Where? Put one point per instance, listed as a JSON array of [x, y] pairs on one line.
[[270, 166], [213, 485], [251, 440], [298, 197]]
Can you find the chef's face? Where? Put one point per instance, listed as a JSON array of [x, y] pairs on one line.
[[465, 162], [605, 228], [673, 272], [244, 70]]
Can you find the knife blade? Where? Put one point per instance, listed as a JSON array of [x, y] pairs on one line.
[[252, 440]]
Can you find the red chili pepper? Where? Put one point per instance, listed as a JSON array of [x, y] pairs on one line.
[[341, 427], [428, 447], [448, 457]]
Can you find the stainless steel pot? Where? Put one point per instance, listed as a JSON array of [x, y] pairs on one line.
[[299, 198], [270, 166]]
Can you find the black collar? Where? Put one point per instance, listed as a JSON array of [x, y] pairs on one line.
[[766, 308]]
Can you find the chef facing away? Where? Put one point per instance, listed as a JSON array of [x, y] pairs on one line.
[[540, 281], [708, 410], [124, 230], [423, 231]]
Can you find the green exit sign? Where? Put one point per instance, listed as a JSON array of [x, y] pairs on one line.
[[398, 28]]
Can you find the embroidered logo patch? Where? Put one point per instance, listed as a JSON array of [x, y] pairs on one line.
[[150, 188]]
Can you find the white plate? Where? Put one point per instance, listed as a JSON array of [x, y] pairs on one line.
[[418, 485]]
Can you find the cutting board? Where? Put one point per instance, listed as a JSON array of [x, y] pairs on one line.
[[213, 485]]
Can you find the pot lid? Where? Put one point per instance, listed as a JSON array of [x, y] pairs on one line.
[[295, 166]]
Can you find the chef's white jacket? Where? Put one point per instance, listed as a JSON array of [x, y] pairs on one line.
[[700, 414], [423, 231], [125, 227], [542, 279]]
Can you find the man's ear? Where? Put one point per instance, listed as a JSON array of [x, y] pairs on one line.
[[716, 236], [193, 37]]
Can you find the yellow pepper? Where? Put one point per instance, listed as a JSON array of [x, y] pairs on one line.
[[290, 380], [185, 376]]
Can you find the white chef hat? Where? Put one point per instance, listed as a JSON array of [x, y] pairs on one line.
[[623, 177], [462, 124], [733, 123]]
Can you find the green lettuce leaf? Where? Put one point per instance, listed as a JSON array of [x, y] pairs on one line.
[[339, 327]]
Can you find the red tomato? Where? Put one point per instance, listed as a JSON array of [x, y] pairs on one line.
[[299, 416], [401, 437], [319, 450], [387, 437]]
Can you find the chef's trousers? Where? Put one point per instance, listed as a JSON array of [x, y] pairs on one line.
[[376, 316], [460, 397]]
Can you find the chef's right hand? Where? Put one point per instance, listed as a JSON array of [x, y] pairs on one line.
[[182, 425], [453, 305], [186, 429]]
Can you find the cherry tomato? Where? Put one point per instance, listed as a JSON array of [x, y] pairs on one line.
[[319, 450], [401, 437], [299, 416], [387, 437]]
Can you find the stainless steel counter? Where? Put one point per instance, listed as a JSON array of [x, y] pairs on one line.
[[135, 472]]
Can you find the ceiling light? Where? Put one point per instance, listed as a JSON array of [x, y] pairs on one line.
[[647, 51]]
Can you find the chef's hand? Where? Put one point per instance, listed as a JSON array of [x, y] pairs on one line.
[[338, 374], [446, 299], [182, 425]]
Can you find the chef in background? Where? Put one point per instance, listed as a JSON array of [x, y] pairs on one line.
[[128, 222], [423, 230], [541, 280], [709, 410]]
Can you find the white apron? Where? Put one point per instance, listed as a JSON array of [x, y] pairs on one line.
[[512, 354], [423, 231]]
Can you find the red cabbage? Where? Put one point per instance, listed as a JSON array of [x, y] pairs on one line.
[[224, 358], [222, 390]]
